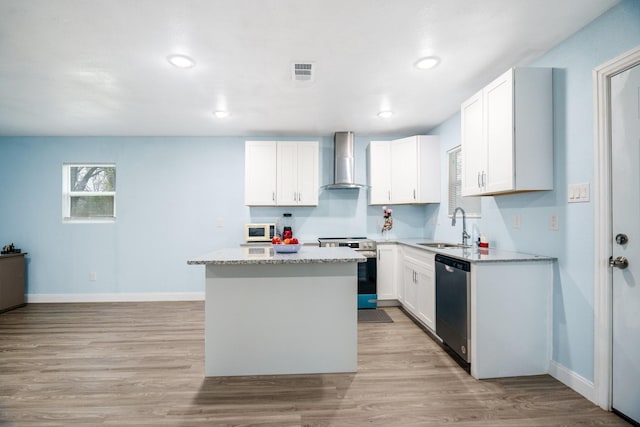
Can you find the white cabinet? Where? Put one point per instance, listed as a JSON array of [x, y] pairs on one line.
[[509, 317], [507, 134], [418, 281], [426, 307], [281, 173], [405, 171], [379, 172], [387, 272], [260, 158]]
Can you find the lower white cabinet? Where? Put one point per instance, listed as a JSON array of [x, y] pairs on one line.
[[418, 282], [387, 272]]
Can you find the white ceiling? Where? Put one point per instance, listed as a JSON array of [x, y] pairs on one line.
[[99, 67]]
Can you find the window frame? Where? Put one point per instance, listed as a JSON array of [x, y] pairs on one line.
[[470, 211], [67, 195]]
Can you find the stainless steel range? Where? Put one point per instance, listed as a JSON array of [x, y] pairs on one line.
[[367, 271]]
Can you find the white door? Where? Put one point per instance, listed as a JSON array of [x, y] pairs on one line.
[[498, 110], [308, 173], [287, 194], [260, 173], [379, 173], [404, 170], [474, 148], [625, 196]]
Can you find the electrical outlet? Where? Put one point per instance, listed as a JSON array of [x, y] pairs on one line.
[[219, 222], [93, 276], [554, 223], [516, 221]]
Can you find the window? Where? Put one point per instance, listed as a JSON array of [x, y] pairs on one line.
[[471, 205], [89, 192]]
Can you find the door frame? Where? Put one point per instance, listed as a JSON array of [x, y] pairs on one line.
[[603, 328]]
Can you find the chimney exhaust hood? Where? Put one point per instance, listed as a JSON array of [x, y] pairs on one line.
[[344, 162]]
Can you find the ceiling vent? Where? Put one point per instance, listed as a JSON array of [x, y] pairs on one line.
[[303, 72]]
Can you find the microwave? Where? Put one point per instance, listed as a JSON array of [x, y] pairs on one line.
[[259, 232]]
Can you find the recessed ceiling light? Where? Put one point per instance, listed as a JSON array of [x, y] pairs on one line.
[[221, 114], [385, 114], [181, 61], [427, 62]]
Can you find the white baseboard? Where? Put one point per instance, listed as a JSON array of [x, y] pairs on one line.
[[573, 380], [117, 297]]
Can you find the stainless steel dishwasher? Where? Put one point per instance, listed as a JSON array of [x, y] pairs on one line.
[[453, 280]]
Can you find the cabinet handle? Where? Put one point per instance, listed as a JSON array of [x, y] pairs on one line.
[[273, 196], [294, 196], [479, 183], [389, 195], [484, 179], [414, 194]]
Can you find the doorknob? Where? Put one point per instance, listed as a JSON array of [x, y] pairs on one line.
[[621, 238], [620, 262]]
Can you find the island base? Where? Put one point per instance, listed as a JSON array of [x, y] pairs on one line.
[[280, 319]]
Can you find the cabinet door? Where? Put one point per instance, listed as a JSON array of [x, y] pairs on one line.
[[409, 281], [386, 274], [498, 107], [307, 179], [260, 173], [404, 170], [473, 145], [287, 172], [426, 300], [379, 172]]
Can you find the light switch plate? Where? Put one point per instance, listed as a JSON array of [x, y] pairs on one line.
[[579, 193]]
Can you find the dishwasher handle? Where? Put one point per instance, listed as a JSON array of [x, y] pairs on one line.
[[449, 269]]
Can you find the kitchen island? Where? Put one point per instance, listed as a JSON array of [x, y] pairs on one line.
[[271, 313]]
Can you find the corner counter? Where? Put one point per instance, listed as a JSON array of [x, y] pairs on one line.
[[270, 313]]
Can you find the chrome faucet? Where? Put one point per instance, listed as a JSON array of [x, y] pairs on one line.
[[465, 235]]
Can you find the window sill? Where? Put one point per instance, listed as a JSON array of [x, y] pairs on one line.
[[109, 220]]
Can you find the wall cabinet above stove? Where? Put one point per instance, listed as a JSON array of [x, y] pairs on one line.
[[281, 173], [507, 135], [404, 171]]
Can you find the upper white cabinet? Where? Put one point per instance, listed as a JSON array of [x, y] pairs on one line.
[[260, 159], [507, 134], [405, 171], [281, 173], [379, 172]]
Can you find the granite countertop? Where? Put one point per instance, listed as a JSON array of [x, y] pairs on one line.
[[266, 255], [472, 254]]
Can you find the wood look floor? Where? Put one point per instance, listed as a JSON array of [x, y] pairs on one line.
[[142, 364]]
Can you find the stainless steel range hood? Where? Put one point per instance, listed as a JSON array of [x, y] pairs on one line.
[[344, 162]]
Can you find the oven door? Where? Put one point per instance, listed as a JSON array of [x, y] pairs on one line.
[[367, 278]]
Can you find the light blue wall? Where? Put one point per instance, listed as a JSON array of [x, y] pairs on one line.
[[613, 33], [172, 193]]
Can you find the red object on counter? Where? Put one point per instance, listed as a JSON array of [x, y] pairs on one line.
[[484, 244]]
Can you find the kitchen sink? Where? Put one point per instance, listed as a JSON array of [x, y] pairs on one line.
[[442, 245]]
